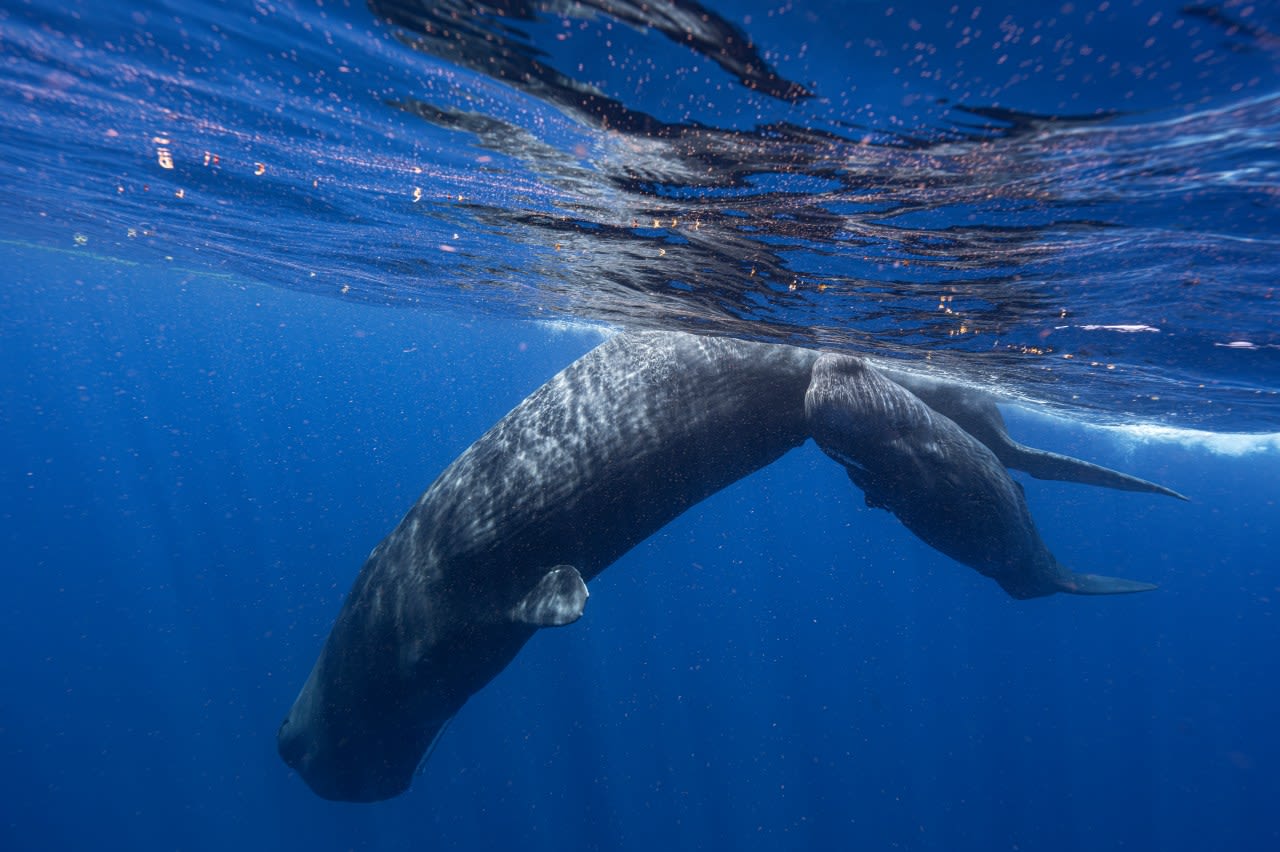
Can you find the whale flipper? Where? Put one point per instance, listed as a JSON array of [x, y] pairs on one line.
[[557, 600], [1096, 584], [976, 413]]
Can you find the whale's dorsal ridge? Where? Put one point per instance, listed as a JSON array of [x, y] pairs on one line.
[[557, 600]]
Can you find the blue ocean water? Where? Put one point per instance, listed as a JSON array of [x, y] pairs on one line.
[[269, 267]]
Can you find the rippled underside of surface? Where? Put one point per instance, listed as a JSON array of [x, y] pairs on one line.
[[1076, 205]]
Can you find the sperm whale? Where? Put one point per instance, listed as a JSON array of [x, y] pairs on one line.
[[603, 455]]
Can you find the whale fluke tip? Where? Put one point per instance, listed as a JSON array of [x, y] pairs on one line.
[[1096, 584], [1042, 464]]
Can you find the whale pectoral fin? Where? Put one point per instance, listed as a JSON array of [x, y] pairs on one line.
[[1096, 584], [558, 599]]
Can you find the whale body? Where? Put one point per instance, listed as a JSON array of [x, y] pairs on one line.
[[944, 484], [599, 458]]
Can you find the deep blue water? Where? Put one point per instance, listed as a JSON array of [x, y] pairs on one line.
[[202, 434]]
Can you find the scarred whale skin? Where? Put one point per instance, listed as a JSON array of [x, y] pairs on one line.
[[592, 463], [596, 460]]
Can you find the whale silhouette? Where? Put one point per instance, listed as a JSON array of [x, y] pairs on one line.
[[603, 455]]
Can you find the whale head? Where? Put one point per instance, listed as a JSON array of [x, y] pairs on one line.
[[359, 748]]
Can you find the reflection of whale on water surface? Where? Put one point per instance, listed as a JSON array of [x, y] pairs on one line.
[[592, 463]]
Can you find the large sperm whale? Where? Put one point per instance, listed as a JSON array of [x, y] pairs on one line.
[[596, 460]]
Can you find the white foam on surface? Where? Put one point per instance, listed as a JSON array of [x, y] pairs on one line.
[[1233, 444], [1218, 443]]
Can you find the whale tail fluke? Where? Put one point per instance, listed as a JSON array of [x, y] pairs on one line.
[[976, 412], [1043, 464], [1096, 584]]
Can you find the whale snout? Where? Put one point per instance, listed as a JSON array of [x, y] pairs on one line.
[[350, 751], [340, 770]]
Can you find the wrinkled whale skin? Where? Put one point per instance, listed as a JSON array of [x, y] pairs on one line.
[[596, 460], [592, 463]]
